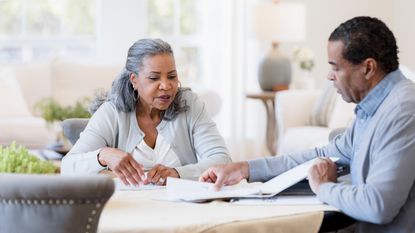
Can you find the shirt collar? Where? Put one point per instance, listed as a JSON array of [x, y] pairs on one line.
[[368, 106]]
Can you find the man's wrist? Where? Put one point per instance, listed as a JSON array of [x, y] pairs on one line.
[[245, 169]]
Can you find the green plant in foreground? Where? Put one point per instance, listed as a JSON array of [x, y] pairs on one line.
[[17, 159]]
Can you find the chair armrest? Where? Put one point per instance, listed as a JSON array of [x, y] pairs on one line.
[[293, 108]]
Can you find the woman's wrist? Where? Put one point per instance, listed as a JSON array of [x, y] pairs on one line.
[[101, 158]]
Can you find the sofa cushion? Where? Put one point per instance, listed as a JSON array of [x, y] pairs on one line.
[[75, 80], [12, 101], [34, 79], [342, 115], [323, 108], [298, 139], [29, 131]]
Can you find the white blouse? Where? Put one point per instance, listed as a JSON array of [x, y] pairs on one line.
[[161, 154]]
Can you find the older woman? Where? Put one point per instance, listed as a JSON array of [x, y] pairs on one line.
[[148, 123]]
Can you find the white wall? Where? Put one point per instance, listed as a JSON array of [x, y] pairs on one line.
[[323, 16], [402, 12], [120, 24]]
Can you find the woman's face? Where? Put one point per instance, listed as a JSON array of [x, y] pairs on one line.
[[157, 82]]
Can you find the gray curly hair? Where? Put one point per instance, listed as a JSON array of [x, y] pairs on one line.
[[122, 93]]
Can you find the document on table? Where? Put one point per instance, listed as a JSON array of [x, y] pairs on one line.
[[280, 200], [120, 186], [193, 191]]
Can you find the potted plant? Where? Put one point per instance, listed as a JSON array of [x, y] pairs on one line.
[[17, 159], [54, 113]]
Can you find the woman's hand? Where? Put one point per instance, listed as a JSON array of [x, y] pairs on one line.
[[159, 173], [123, 165]]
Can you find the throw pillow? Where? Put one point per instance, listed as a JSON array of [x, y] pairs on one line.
[[12, 102], [320, 115], [342, 115]]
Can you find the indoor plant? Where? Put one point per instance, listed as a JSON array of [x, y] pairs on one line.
[[54, 113], [17, 159]]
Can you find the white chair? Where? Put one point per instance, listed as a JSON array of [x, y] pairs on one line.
[[296, 111]]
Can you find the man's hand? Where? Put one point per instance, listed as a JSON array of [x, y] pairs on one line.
[[159, 173], [123, 165], [225, 174], [323, 171]]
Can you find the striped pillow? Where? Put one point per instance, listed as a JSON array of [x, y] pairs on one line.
[[321, 113]]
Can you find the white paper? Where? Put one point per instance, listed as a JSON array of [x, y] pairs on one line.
[[120, 186], [289, 178], [281, 200], [187, 190]]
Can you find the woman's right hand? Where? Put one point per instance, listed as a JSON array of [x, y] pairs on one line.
[[123, 165]]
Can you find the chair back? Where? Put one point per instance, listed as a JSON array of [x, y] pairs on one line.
[[52, 203], [73, 127]]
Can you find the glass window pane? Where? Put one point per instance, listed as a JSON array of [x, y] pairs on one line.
[[11, 54], [78, 17], [188, 17], [44, 53], [78, 51], [43, 17], [160, 18], [188, 62], [10, 17]]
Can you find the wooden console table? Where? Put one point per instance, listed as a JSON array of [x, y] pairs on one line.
[[268, 98]]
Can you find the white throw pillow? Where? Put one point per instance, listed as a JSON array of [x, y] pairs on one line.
[[323, 108], [343, 114], [73, 80], [12, 102]]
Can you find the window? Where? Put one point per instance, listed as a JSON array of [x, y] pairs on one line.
[[44, 29], [179, 23]]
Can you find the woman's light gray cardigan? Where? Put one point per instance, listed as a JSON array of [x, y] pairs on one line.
[[192, 134]]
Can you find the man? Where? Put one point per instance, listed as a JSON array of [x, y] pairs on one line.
[[379, 146]]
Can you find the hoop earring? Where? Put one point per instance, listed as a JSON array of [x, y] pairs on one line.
[[179, 85], [135, 95]]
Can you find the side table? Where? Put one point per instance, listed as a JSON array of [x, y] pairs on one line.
[[268, 98]]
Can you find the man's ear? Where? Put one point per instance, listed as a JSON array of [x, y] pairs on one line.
[[370, 66]]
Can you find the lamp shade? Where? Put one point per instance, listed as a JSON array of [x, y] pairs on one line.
[[279, 22]]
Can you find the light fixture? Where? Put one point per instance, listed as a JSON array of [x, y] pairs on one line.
[[278, 22]]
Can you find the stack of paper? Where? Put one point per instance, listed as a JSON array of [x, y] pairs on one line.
[[186, 190], [120, 186]]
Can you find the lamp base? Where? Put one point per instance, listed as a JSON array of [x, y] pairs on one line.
[[280, 87], [274, 70]]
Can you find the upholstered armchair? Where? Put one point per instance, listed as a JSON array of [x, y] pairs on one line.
[[305, 118], [52, 203]]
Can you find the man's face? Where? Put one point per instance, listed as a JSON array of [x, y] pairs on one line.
[[348, 79]]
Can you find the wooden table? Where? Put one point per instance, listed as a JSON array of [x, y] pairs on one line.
[[143, 211], [268, 99]]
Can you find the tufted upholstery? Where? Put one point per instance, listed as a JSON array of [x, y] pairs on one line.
[[52, 203]]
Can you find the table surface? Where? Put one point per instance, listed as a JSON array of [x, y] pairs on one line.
[[143, 211]]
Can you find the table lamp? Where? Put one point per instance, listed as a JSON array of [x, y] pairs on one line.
[[277, 22]]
